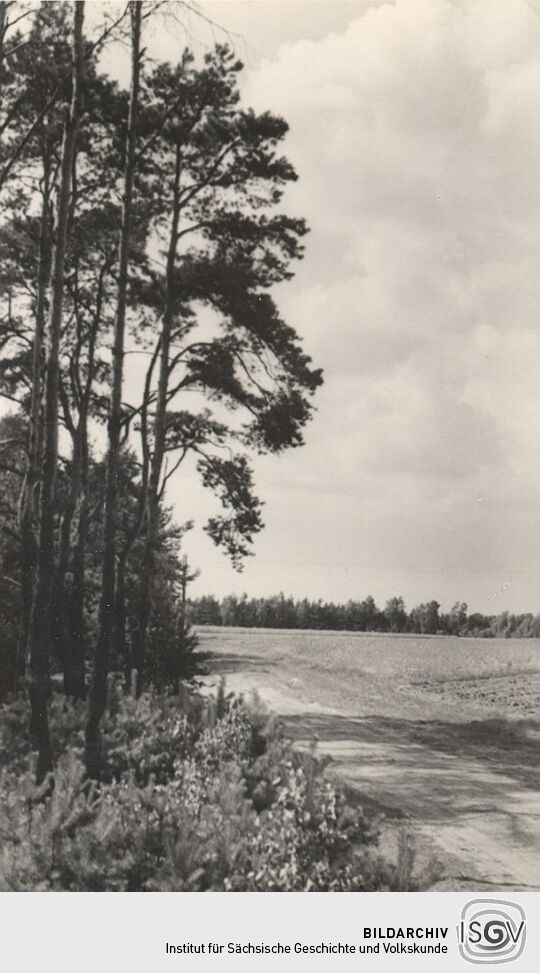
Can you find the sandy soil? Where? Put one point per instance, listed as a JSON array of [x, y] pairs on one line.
[[452, 759]]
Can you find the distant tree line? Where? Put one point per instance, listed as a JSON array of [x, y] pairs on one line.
[[279, 611]]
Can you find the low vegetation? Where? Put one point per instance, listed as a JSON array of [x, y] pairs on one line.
[[197, 795]]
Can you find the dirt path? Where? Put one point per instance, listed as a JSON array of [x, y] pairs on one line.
[[466, 787]]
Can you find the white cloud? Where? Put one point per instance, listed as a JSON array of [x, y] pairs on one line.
[[414, 133]]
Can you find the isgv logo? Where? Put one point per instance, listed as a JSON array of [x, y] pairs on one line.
[[491, 931]]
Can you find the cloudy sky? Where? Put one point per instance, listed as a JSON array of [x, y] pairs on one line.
[[415, 129]]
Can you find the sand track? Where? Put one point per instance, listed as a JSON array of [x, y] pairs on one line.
[[436, 758]]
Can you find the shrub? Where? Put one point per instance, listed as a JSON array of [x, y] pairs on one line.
[[199, 795]]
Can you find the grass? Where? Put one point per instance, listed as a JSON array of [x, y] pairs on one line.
[[502, 675]]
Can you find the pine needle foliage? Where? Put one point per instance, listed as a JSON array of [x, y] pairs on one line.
[[199, 794]]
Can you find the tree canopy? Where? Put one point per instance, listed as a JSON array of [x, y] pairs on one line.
[[145, 222]]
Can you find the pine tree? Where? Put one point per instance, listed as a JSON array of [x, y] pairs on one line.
[[38, 650]]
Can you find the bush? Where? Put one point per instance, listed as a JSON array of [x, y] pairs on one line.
[[199, 795]]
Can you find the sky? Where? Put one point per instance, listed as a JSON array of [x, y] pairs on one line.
[[414, 128]]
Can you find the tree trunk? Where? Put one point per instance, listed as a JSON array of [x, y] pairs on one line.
[[58, 612], [133, 682], [75, 609], [182, 625], [29, 498], [38, 648], [143, 615], [3, 30], [69, 650], [76, 601], [98, 691], [121, 650], [156, 464]]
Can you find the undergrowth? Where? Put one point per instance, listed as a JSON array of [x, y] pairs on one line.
[[198, 795]]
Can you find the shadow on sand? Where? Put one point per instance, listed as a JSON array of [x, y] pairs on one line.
[[223, 665], [439, 765]]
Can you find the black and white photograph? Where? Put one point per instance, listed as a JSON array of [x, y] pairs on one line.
[[270, 454]]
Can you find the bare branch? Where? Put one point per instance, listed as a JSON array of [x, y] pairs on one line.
[[171, 472], [37, 121], [5, 578], [193, 190]]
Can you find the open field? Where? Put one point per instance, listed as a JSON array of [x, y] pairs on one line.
[[439, 734]]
